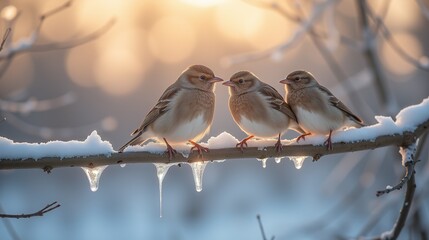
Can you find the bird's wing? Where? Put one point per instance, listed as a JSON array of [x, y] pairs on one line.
[[159, 109], [276, 100], [337, 103]]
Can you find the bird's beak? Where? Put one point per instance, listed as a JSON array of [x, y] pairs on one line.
[[286, 81], [215, 80], [229, 84]]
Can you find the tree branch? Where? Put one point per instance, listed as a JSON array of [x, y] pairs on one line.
[[39, 213], [316, 152]]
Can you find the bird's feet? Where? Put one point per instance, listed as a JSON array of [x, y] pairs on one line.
[[199, 148], [243, 143], [328, 142], [278, 146], [302, 137], [170, 150]]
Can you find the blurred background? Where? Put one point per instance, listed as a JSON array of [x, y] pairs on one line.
[[102, 65]]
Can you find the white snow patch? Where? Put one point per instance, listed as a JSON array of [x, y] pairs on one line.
[[409, 117], [92, 145], [388, 187]]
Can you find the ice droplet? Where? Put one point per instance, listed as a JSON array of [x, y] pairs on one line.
[[198, 172], [298, 161], [264, 161], [219, 161], [161, 171], [278, 159], [94, 175]]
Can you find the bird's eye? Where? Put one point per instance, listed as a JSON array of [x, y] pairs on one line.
[[202, 77], [241, 80], [297, 78]]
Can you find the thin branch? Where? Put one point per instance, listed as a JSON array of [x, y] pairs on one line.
[[56, 10], [403, 213], [34, 105], [39, 213], [388, 36], [50, 132], [408, 154], [216, 154], [75, 42], [5, 36], [261, 227], [9, 227], [370, 53], [306, 25], [408, 174]]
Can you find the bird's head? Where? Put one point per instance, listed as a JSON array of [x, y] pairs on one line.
[[200, 77], [242, 82], [299, 79]]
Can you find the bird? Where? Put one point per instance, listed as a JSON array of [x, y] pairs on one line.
[[183, 113], [317, 110], [258, 109]]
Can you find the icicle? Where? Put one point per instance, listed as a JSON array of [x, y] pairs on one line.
[[161, 171], [298, 161], [198, 172], [219, 161], [264, 161], [123, 165], [94, 175], [278, 159]]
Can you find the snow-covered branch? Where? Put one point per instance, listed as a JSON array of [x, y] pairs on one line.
[[410, 123]]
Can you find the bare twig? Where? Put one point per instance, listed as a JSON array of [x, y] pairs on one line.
[[5, 36], [394, 44], [50, 132], [39, 213], [33, 105], [264, 237], [306, 25], [9, 227], [370, 54], [400, 222], [75, 42], [56, 10], [409, 163]]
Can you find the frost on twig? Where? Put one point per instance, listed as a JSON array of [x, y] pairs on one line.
[[39, 213], [408, 162]]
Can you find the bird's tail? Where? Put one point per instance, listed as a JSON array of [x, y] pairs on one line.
[[134, 141]]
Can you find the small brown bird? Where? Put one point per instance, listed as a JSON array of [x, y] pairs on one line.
[[258, 109], [317, 110], [183, 113]]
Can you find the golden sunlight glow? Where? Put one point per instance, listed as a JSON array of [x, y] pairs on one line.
[[171, 39], [122, 61], [80, 65], [203, 3], [238, 20], [272, 31], [9, 13], [393, 61], [403, 14]]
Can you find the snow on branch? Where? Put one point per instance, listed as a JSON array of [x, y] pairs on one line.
[[410, 123]]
